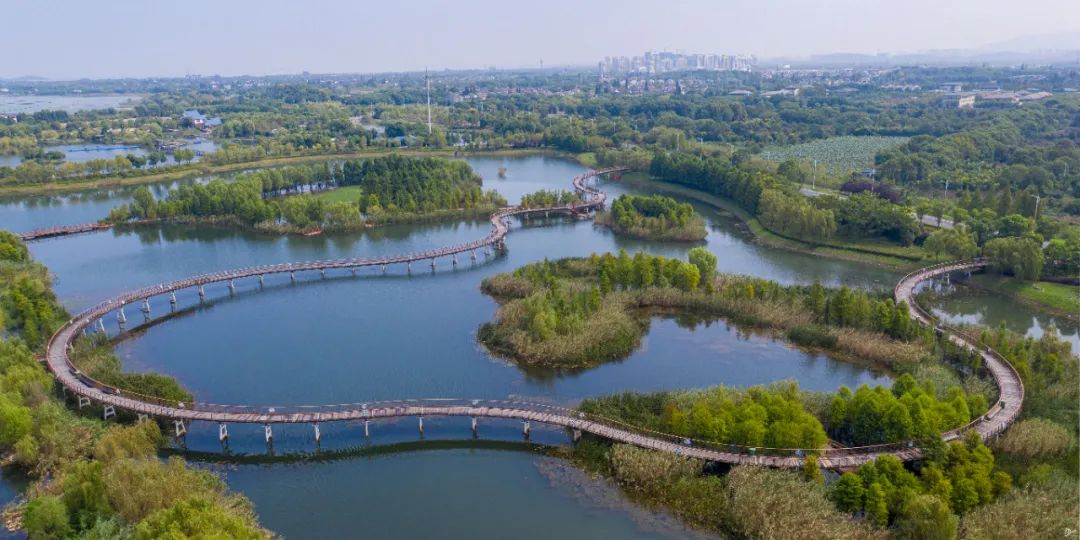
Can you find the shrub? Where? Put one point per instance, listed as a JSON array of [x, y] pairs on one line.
[[812, 336], [1036, 438]]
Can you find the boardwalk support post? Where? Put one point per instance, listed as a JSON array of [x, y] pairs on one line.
[[367, 433], [232, 286], [120, 316], [322, 272], [101, 325], [433, 263], [269, 433], [83, 401], [141, 417], [172, 300], [223, 433], [577, 435], [202, 292], [474, 434], [146, 306], [181, 429], [455, 259], [108, 412], [318, 435], [262, 280], [292, 277], [525, 428], [421, 424]]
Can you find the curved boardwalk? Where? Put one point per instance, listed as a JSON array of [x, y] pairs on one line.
[[112, 399]]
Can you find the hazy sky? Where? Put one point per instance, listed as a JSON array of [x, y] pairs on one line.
[[84, 38]]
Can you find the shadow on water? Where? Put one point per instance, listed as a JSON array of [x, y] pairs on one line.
[[354, 452]]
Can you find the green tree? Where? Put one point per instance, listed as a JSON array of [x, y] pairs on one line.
[[877, 509], [847, 493], [194, 518], [705, 262], [46, 518]]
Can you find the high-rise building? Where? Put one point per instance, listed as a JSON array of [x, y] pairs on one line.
[[660, 62]]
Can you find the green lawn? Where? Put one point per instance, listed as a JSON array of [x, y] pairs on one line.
[[1060, 297], [349, 194]]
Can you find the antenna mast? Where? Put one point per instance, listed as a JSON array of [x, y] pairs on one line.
[[428, 82]]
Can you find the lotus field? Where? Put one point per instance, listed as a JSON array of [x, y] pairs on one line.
[[835, 155]]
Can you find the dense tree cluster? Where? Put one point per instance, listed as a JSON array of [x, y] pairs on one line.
[[546, 199], [419, 185], [653, 216], [795, 216], [961, 478], [416, 185], [771, 417], [910, 411], [866, 215]]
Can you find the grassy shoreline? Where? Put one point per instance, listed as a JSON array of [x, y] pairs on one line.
[[1056, 298], [845, 251], [190, 171]]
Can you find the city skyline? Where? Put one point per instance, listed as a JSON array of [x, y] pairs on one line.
[[332, 36]]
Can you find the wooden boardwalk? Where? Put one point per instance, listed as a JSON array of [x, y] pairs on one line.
[[112, 399], [51, 232]]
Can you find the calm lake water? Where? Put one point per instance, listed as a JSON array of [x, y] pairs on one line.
[[73, 103], [78, 153], [375, 336], [958, 304]]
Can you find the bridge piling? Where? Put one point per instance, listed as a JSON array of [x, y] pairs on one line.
[[367, 433], [84, 401], [146, 306], [292, 277], [269, 432], [181, 429], [232, 286], [101, 326], [421, 424], [322, 273], [172, 300], [121, 317], [525, 429], [318, 435], [108, 412], [262, 281], [223, 433], [202, 293]]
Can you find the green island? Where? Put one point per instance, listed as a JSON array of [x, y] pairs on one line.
[[391, 189], [92, 479], [653, 217], [574, 313]]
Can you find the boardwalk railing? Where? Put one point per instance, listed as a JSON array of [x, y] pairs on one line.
[[996, 420]]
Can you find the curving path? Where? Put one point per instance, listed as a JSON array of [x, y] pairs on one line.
[[112, 399]]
